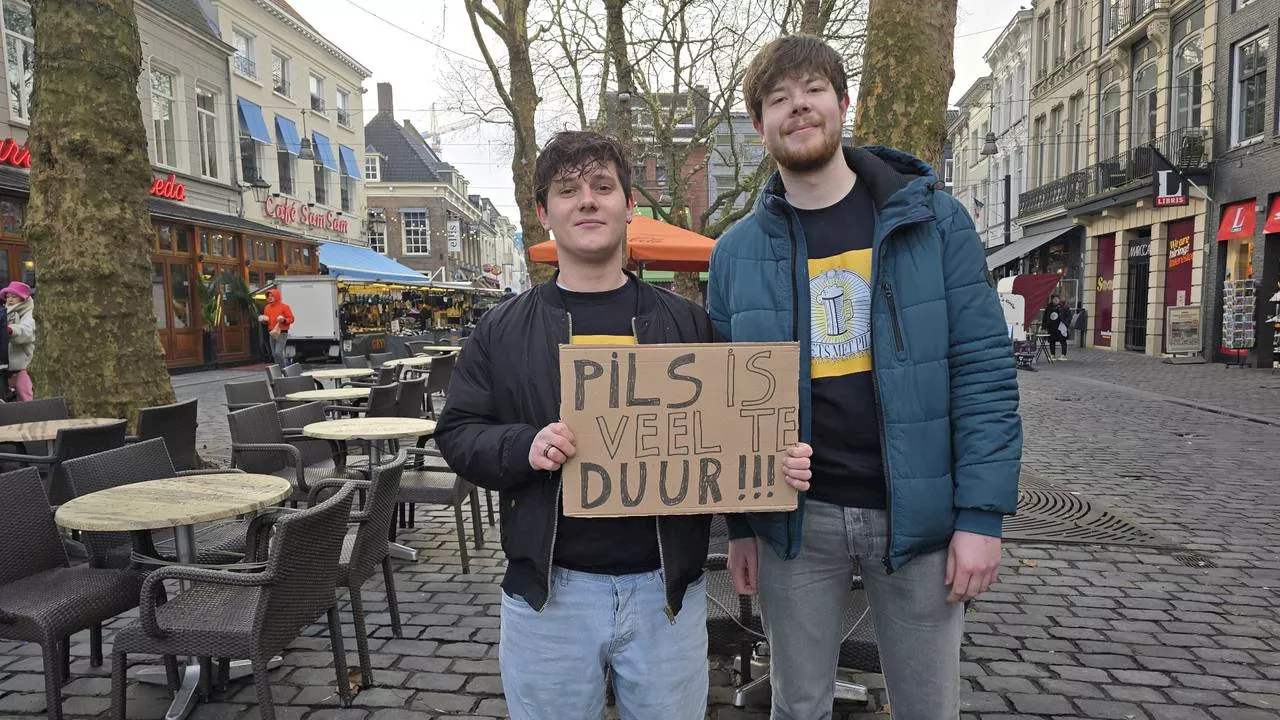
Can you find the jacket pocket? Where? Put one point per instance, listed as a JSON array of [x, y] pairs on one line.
[[899, 340]]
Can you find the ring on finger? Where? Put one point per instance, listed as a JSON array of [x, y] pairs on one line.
[[546, 452]]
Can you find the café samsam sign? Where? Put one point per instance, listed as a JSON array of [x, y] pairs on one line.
[[290, 211], [19, 156]]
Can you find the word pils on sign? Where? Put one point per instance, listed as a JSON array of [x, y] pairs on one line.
[[679, 429]]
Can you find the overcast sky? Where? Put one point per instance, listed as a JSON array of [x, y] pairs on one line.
[[406, 43]]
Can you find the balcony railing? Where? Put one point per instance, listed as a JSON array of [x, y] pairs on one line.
[[344, 117], [1125, 13], [245, 65], [1187, 149], [317, 103]]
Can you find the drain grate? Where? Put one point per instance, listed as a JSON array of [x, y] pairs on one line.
[[1054, 516], [1194, 560]]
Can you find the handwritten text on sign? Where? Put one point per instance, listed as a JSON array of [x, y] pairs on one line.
[[679, 429]]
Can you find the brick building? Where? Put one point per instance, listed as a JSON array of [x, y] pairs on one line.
[[420, 210]]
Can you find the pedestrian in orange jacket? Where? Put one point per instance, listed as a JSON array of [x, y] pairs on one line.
[[278, 317]]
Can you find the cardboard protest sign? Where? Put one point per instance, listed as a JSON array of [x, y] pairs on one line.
[[679, 429]]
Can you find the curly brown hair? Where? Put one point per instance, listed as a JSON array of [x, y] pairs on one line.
[[791, 56], [574, 153]]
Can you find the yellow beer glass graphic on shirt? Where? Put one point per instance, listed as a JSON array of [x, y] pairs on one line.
[[840, 314]]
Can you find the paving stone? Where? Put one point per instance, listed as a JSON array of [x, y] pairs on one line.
[[1257, 700], [401, 714], [485, 685], [339, 714], [462, 650], [1110, 710], [1204, 682], [1018, 669], [1041, 704], [1072, 688], [1134, 693], [496, 707], [443, 702], [23, 702], [1175, 712], [1142, 677], [983, 702], [95, 706], [1241, 713], [998, 684], [1082, 674]]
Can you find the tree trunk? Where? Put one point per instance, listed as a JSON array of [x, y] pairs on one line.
[[88, 222], [616, 41], [907, 71]]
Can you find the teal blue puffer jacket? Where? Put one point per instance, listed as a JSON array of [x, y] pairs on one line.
[[942, 360]]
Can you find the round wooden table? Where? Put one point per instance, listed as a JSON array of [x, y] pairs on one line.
[[372, 430], [345, 393], [339, 373], [409, 362], [179, 503], [45, 430]]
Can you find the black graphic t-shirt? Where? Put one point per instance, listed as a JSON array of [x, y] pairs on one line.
[[848, 468], [609, 546]]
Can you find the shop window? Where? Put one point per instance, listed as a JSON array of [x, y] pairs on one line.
[[180, 282], [4, 265], [11, 212], [28, 268], [160, 308], [182, 239], [273, 251], [20, 52], [165, 233]]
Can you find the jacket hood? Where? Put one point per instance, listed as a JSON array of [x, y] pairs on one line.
[[896, 180], [273, 296]]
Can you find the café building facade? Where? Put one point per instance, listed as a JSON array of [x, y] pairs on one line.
[[200, 232]]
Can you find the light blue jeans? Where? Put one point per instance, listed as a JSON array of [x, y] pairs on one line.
[[553, 663], [803, 602]]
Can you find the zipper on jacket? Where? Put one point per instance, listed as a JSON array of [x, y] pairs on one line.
[[657, 526], [795, 294], [893, 315], [555, 522]]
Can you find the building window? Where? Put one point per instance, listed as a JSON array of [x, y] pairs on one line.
[[280, 74], [1042, 174], [344, 108], [1009, 116], [372, 168], [1046, 46], [1249, 91], [376, 234], [1115, 17], [1055, 143], [243, 61], [317, 93], [322, 184], [1109, 116], [19, 41], [1188, 61], [1075, 122], [207, 124], [163, 123], [996, 103], [1082, 23], [1144, 95], [948, 168], [417, 232], [286, 164], [1060, 31], [346, 191], [250, 157], [1022, 87]]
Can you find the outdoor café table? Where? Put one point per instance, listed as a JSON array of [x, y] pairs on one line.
[[409, 361], [339, 374], [441, 348], [178, 503], [334, 394], [372, 430], [46, 430]]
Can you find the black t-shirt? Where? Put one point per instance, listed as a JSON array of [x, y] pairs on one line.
[[848, 467], [609, 546]]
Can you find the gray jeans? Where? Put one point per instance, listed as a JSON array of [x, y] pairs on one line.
[[278, 343], [804, 600]]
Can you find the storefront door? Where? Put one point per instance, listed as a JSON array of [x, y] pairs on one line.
[[174, 301], [1135, 333]]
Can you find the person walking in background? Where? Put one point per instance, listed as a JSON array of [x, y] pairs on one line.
[[278, 317], [1056, 321], [21, 333]]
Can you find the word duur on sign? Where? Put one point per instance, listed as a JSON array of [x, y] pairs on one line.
[[669, 429]]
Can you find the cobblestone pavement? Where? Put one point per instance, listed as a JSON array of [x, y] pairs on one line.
[[1069, 631]]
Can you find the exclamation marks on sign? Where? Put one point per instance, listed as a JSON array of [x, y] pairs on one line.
[[761, 483]]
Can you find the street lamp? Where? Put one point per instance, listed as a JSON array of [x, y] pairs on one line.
[[990, 148], [304, 150]]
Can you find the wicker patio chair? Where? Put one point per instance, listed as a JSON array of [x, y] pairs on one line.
[[71, 443], [252, 615], [241, 395], [438, 484], [258, 445], [175, 423], [42, 600], [365, 549]]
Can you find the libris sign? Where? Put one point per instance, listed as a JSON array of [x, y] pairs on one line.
[[679, 429], [288, 210]]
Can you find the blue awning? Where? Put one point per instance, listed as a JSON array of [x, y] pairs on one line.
[[287, 135], [251, 121], [350, 166], [360, 263], [324, 151]]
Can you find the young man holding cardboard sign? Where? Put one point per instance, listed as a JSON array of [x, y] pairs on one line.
[[582, 594], [907, 392]]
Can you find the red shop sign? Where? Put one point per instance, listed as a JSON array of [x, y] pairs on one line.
[[15, 155], [290, 211]]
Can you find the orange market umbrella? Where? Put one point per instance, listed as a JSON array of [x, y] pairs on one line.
[[651, 245]]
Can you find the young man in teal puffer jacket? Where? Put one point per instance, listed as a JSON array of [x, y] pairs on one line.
[[908, 395]]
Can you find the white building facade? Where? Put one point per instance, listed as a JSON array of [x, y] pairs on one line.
[[1010, 61]]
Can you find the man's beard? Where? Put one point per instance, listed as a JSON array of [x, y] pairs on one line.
[[811, 157]]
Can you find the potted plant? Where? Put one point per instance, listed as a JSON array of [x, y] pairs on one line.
[[211, 315]]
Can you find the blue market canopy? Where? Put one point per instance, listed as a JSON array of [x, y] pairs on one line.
[[351, 262], [251, 121]]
